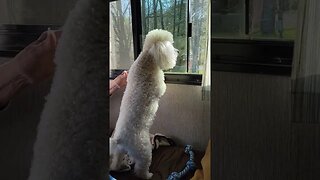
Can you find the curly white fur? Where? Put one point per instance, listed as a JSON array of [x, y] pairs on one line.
[[71, 139], [140, 101]]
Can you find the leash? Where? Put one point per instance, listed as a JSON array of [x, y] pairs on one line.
[[190, 165]]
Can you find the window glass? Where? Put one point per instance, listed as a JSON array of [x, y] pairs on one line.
[[265, 19], [35, 12], [199, 13], [171, 16], [161, 14], [121, 39], [273, 19], [228, 18]]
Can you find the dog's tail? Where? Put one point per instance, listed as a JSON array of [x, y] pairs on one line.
[[159, 43]]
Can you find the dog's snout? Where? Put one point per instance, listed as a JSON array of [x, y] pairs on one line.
[[177, 50]]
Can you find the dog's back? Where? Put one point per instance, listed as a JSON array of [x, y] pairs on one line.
[[139, 104]]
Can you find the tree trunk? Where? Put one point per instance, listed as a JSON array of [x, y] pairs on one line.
[[143, 16], [161, 14], [197, 28], [155, 20], [174, 17], [121, 36], [180, 16], [148, 17]]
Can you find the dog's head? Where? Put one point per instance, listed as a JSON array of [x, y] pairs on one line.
[[159, 43]]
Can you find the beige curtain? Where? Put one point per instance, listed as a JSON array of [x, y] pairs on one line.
[[306, 65]]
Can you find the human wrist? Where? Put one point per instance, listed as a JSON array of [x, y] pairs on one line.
[[113, 87], [12, 86], [20, 75]]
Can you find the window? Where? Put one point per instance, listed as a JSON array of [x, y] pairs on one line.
[[255, 19], [187, 20], [228, 18], [121, 38], [199, 13], [275, 19], [260, 33], [22, 21], [35, 12], [171, 16]]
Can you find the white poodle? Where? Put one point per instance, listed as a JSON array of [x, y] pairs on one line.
[[140, 101]]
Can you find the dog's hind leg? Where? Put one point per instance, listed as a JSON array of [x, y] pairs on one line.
[[141, 152]]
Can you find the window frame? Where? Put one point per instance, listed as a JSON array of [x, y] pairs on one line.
[[260, 56], [15, 37], [252, 56], [170, 77]]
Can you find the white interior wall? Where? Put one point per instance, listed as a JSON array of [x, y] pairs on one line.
[[182, 115]]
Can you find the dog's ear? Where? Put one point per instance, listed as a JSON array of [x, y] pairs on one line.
[[164, 54]]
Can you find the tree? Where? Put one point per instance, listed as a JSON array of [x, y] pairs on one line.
[[174, 17], [161, 14], [122, 37], [197, 23], [155, 25], [143, 15]]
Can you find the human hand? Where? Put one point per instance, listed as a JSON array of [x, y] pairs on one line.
[[118, 82], [35, 62], [121, 80]]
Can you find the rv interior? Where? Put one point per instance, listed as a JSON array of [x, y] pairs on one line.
[[242, 102]]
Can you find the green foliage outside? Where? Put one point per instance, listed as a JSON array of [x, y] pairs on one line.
[[170, 15]]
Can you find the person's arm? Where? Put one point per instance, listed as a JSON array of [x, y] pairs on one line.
[[11, 81], [32, 65]]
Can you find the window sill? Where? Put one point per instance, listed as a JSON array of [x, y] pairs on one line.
[[13, 38], [252, 56], [181, 78], [171, 78]]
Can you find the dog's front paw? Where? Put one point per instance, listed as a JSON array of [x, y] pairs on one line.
[[144, 175], [147, 175]]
